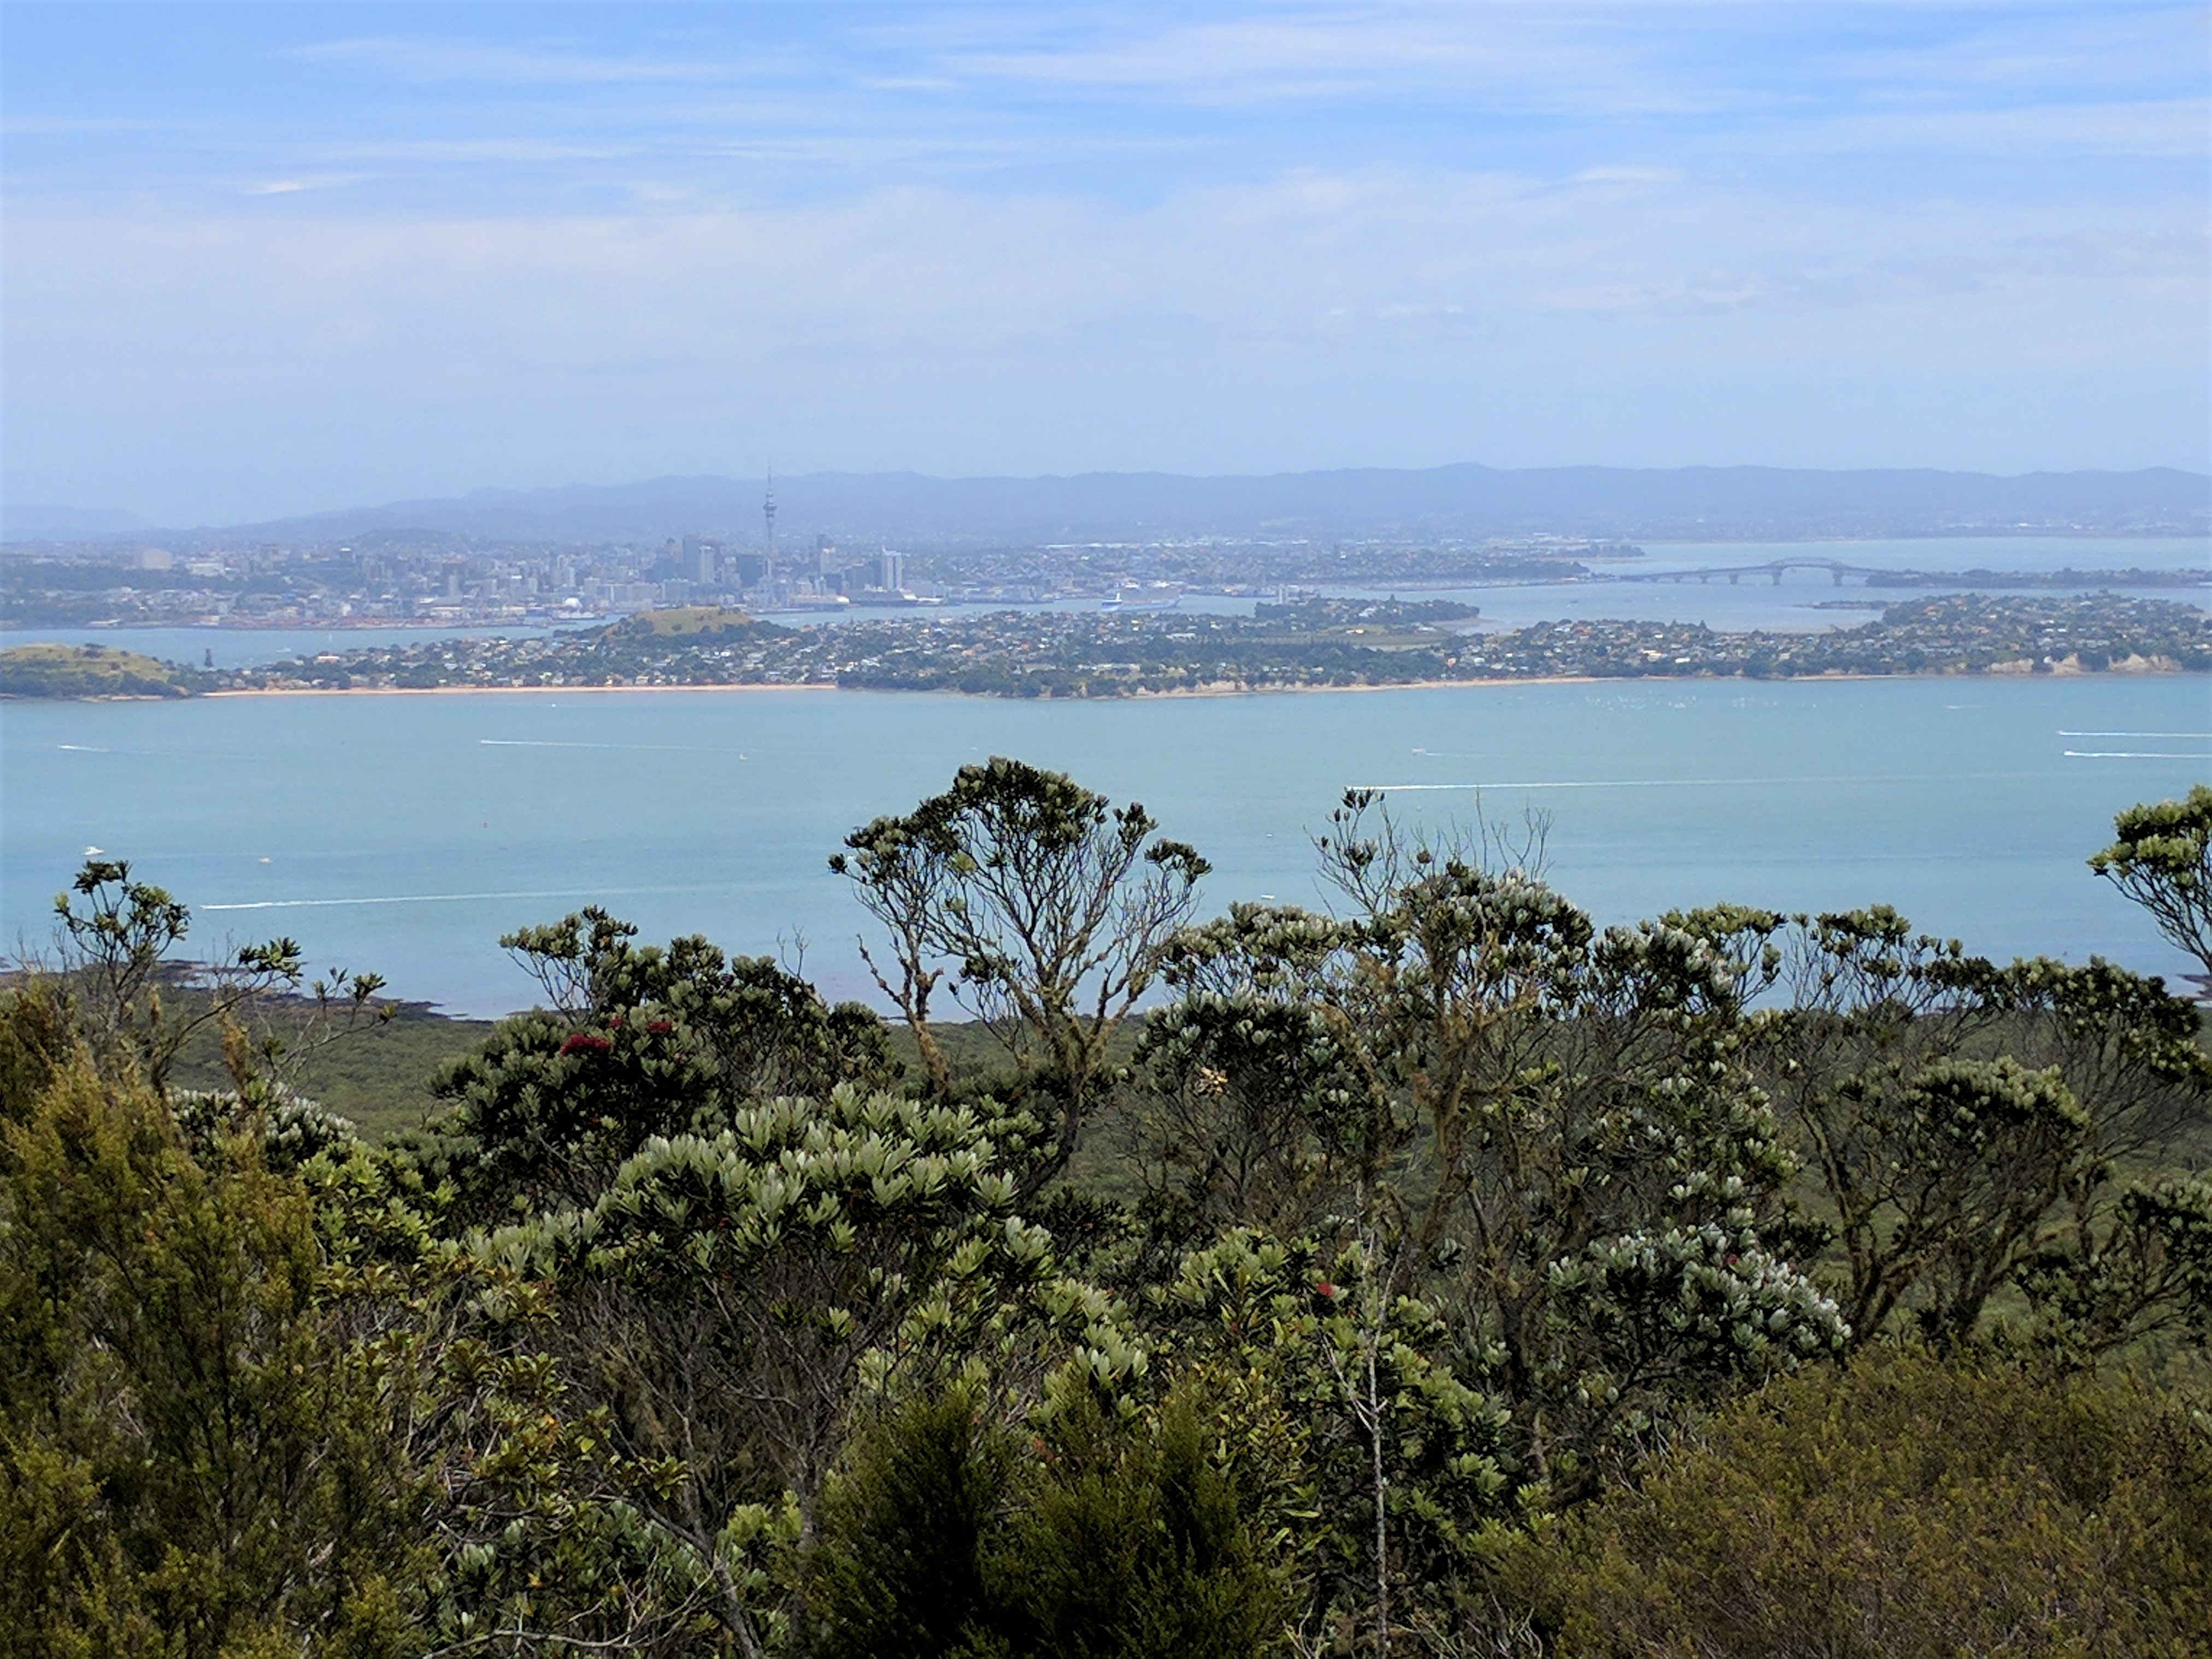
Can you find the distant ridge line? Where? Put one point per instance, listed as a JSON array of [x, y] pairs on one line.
[[1468, 499]]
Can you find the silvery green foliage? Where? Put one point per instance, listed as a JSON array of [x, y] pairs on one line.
[[2162, 860], [1039, 904], [1332, 1391], [755, 1029], [895, 1213], [1257, 1108], [1492, 1099], [646, 1040], [1638, 1312], [1965, 1120], [729, 1299], [290, 1127], [2147, 1269]]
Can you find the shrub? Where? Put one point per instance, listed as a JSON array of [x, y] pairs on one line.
[[1900, 1507], [1109, 1541]]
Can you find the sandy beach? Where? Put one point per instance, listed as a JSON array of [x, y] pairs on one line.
[[2130, 668]]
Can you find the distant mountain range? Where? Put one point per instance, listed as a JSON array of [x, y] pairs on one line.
[[29, 521], [1685, 503]]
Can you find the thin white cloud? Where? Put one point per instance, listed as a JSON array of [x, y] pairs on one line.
[[2171, 129], [473, 151], [1621, 61], [301, 184], [2083, 52], [437, 58], [1629, 175], [46, 126], [1018, 239], [932, 275], [1512, 56]]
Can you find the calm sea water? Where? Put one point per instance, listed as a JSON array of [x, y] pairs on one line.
[[405, 833], [1944, 553], [1804, 599]]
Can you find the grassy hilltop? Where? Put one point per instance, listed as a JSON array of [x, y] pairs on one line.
[[89, 671], [709, 621]]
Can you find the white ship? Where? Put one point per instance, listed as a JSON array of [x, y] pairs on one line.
[[1151, 596]]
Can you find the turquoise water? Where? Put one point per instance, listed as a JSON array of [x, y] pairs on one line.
[[1802, 598], [405, 833], [1943, 553]]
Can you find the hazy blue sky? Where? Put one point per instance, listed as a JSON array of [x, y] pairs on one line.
[[262, 259]]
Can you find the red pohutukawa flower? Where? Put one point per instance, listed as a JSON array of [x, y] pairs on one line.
[[585, 1042], [1326, 1289], [659, 1027]]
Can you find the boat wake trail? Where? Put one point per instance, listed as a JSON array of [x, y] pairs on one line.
[[555, 743], [1677, 783], [451, 898]]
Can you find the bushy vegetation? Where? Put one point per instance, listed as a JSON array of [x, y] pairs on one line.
[[1903, 1506], [1437, 1273]]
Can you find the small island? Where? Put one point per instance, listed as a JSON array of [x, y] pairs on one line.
[[1313, 644], [91, 670]]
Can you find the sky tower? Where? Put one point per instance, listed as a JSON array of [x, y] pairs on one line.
[[768, 545]]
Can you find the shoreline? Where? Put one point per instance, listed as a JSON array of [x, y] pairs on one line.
[[900, 691], [818, 687], [476, 691]]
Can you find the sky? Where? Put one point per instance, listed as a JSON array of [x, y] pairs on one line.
[[260, 260]]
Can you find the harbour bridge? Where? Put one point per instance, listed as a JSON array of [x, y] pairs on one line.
[[1773, 570]]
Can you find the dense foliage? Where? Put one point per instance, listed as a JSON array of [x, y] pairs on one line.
[[1436, 1271], [1903, 1507]]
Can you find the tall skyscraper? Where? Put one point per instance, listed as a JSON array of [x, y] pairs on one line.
[[768, 542], [893, 572], [702, 560]]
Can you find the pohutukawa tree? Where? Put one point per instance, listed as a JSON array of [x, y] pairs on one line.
[[1040, 905], [640, 1042], [113, 956], [1974, 1128], [2161, 858], [728, 1300], [1540, 1197]]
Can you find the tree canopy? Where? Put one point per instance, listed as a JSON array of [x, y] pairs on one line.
[[1433, 1271]]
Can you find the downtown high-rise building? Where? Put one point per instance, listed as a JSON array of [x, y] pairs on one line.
[[768, 535]]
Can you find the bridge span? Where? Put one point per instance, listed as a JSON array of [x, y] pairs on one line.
[[1773, 569]]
